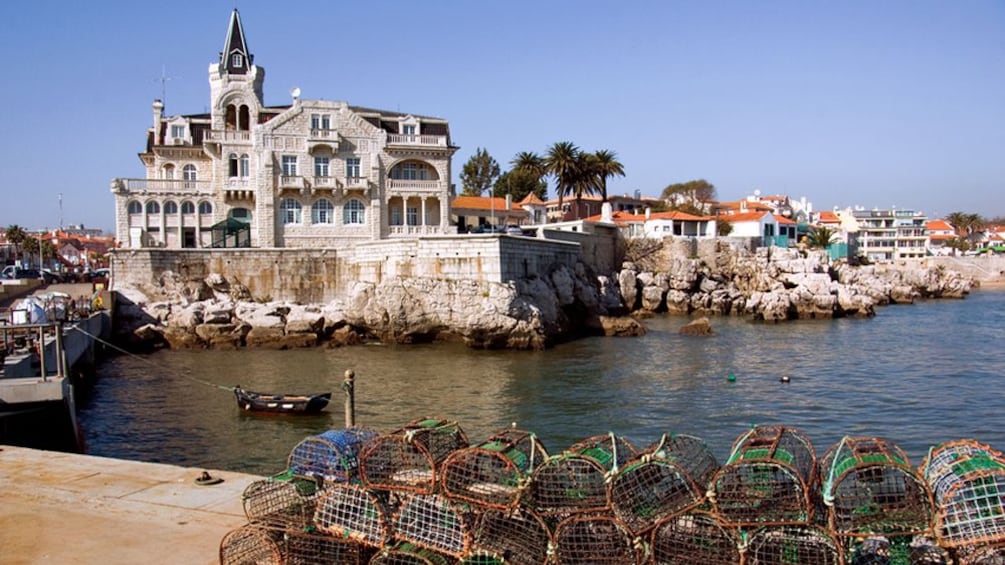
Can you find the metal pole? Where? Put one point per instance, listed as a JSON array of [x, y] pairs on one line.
[[349, 386], [41, 352], [60, 369]]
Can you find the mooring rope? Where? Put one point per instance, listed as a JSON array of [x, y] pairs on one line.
[[147, 361]]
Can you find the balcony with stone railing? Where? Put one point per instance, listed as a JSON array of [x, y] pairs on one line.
[[415, 186], [324, 182], [292, 182], [411, 140], [325, 137], [162, 186], [227, 136]]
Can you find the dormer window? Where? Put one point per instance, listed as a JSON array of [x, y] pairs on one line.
[[408, 129], [177, 132], [237, 60]]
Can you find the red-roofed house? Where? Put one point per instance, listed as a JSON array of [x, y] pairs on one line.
[[771, 228], [470, 212], [662, 224]]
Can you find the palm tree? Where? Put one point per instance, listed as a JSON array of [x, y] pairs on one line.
[[820, 236], [561, 163], [607, 165], [530, 162], [957, 220], [586, 179], [16, 236]]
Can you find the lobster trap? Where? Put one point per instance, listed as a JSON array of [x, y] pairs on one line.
[[967, 480], [593, 539], [332, 455], [252, 544], [355, 514], [493, 473], [407, 459], [669, 478], [519, 536], [869, 486], [311, 548], [435, 523], [576, 480], [791, 545], [283, 501], [405, 553], [767, 480], [981, 555], [693, 539], [899, 550]]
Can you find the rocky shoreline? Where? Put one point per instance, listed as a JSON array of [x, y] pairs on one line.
[[769, 284]]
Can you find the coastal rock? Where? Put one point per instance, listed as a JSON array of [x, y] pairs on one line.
[[621, 326], [190, 316], [701, 326], [629, 285], [304, 319], [222, 336], [678, 301], [215, 312], [652, 298]]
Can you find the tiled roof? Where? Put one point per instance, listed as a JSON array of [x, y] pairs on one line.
[[532, 198], [744, 217], [938, 225], [482, 203], [828, 217], [784, 220], [626, 217]]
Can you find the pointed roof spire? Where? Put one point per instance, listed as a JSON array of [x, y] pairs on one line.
[[235, 58]]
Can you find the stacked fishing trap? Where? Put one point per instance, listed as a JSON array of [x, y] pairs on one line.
[[422, 495]]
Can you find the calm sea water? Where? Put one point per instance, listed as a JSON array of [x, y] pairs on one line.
[[916, 374]]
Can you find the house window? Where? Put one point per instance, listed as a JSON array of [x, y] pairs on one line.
[[241, 215], [135, 207], [354, 213], [323, 212], [170, 207], [408, 129], [177, 131], [232, 165], [410, 171], [321, 166], [205, 208], [245, 166], [289, 165], [189, 173], [315, 121], [168, 172], [352, 167], [290, 211], [395, 216], [187, 207], [237, 60], [153, 208], [412, 215], [321, 121]]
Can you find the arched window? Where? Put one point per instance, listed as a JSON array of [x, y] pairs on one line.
[[232, 165], [244, 120], [290, 211], [412, 170], [134, 207], [170, 207], [231, 118], [189, 173], [153, 207], [323, 212], [167, 172], [245, 166], [187, 207], [241, 215], [354, 212], [205, 207]]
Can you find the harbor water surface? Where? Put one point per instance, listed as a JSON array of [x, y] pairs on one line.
[[916, 374]]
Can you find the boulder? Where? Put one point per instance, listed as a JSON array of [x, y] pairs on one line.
[[621, 326], [700, 326]]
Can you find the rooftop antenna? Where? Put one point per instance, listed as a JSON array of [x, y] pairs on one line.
[[164, 80], [60, 211]]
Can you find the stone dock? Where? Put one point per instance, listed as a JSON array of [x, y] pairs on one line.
[[68, 508]]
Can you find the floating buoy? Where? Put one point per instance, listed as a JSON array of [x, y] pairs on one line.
[[731, 378], [784, 379]]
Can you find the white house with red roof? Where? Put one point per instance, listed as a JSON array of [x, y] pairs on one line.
[[473, 212], [661, 224], [771, 228]]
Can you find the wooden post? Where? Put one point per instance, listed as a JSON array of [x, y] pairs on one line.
[[349, 386]]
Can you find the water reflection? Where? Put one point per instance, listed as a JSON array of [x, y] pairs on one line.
[[916, 374]]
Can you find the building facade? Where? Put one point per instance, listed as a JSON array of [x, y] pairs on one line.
[[312, 174], [888, 235]]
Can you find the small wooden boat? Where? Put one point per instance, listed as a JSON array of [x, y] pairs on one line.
[[281, 403]]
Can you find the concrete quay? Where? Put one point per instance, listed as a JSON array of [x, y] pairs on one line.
[[66, 508]]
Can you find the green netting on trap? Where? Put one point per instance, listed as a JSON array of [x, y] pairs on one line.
[[868, 486], [283, 501], [483, 558], [353, 513], [576, 480], [251, 544], [791, 545], [309, 548], [408, 459], [967, 480], [768, 479], [669, 478], [493, 473], [435, 523], [597, 540], [693, 539], [898, 550], [405, 553], [519, 536], [332, 455]]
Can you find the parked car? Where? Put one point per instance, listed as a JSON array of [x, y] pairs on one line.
[[53, 277], [514, 229], [12, 272]]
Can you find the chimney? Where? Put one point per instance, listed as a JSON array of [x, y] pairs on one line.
[[606, 214], [509, 201], [649, 212], [158, 110]]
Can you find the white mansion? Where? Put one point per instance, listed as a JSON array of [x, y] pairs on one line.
[[317, 173]]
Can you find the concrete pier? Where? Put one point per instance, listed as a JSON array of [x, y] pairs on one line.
[[67, 508]]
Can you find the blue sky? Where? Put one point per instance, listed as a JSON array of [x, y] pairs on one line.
[[878, 104]]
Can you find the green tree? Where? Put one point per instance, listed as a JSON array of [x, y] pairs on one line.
[[479, 173], [820, 236], [607, 165], [518, 183], [723, 228], [531, 163], [16, 235], [694, 194], [561, 163], [586, 178]]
